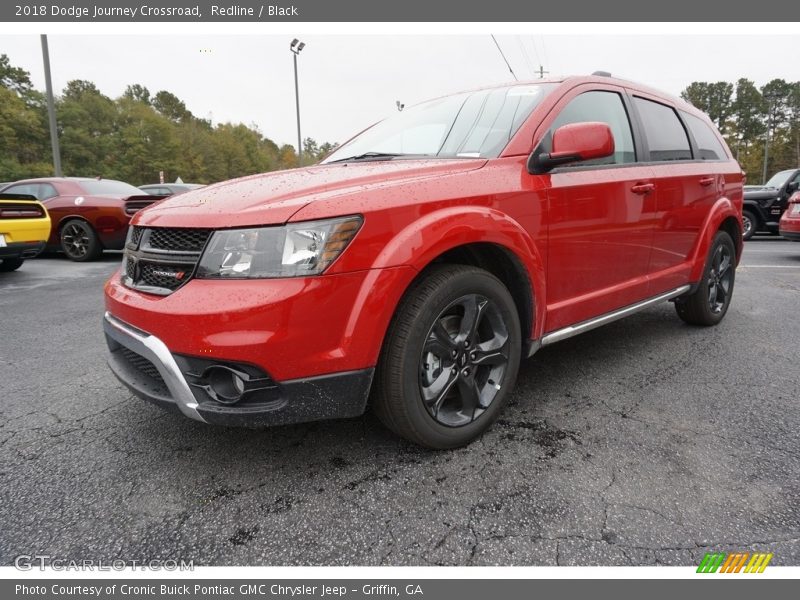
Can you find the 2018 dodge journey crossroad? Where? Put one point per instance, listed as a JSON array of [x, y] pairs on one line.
[[415, 267]]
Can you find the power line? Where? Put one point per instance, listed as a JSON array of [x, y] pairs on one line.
[[504, 58], [544, 51], [535, 50], [525, 55]]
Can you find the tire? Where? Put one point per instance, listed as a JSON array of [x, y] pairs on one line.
[[438, 382], [708, 304], [79, 241], [10, 264], [749, 224]]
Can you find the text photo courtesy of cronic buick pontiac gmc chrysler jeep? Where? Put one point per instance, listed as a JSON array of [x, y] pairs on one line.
[[413, 269]]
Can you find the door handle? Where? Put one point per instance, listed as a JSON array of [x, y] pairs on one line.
[[643, 188], [706, 181]]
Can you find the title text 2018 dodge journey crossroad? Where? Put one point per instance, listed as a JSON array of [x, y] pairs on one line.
[[417, 265]]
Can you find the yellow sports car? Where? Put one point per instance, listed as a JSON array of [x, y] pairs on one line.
[[24, 229]]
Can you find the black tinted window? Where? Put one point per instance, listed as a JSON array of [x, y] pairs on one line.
[[666, 136], [708, 145], [603, 107]]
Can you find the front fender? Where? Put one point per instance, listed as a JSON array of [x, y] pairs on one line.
[[435, 233], [723, 209]]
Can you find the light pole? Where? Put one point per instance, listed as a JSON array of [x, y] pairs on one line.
[[296, 46], [51, 109]]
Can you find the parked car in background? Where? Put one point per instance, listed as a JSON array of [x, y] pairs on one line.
[[420, 261], [88, 215], [790, 221], [169, 189], [764, 204], [24, 229]]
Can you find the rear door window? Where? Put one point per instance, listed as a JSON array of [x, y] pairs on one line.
[[708, 145], [666, 137]]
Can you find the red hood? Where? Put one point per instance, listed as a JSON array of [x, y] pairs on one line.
[[272, 198]]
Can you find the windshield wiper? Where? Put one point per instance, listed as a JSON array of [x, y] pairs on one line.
[[374, 156]]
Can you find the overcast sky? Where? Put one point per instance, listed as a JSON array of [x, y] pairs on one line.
[[349, 82]]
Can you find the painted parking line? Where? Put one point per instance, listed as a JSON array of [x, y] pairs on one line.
[[769, 266]]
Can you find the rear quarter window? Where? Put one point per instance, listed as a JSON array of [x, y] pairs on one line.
[[708, 144], [666, 137]]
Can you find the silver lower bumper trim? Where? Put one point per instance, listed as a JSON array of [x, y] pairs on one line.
[[154, 350], [568, 332]]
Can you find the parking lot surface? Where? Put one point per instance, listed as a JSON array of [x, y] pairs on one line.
[[643, 442]]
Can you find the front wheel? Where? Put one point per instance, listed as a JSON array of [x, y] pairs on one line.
[[749, 224], [79, 241], [450, 357], [708, 304]]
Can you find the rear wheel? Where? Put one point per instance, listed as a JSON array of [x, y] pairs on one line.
[[708, 304], [10, 264], [79, 241], [450, 358], [749, 224]]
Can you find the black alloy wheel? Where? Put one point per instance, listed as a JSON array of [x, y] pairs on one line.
[[709, 301], [450, 357], [720, 278], [79, 241], [464, 360]]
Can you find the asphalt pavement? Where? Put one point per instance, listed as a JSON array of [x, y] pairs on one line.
[[644, 442]]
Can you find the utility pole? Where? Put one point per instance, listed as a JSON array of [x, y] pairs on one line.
[[542, 72], [769, 100], [51, 109], [296, 46]]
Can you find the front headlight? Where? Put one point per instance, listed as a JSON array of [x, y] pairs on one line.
[[293, 250]]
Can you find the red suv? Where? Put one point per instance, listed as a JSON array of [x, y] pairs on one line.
[[419, 263]]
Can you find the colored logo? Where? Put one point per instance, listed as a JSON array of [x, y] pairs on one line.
[[734, 562]]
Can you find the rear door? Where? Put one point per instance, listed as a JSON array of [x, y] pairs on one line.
[[600, 215], [689, 179]]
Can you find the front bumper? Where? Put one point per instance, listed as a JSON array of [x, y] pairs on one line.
[[144, 364]]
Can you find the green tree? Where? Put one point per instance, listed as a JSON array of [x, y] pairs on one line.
[[171, 106], [714, 99], [137, 92], [146, 143], [87, 121]]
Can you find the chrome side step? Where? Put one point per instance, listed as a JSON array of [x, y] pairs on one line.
[[568, 332]]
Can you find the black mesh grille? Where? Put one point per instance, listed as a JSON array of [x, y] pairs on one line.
[[178, 239], [169, 277], [141, 364], [130, 268], [136, 236], [159, 260]]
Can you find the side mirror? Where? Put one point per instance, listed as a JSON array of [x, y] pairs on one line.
[[574, 142], [792, 187]]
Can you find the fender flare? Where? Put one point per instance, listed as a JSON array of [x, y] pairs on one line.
[[437, 232], [722, 209]]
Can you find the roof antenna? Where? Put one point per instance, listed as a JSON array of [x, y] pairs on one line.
[[601, 74]]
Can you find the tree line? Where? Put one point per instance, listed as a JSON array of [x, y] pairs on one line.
[[757, 123], [131, 138]]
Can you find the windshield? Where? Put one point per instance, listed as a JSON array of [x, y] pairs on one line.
[[468, 125], [778, 179], [109, 187]]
